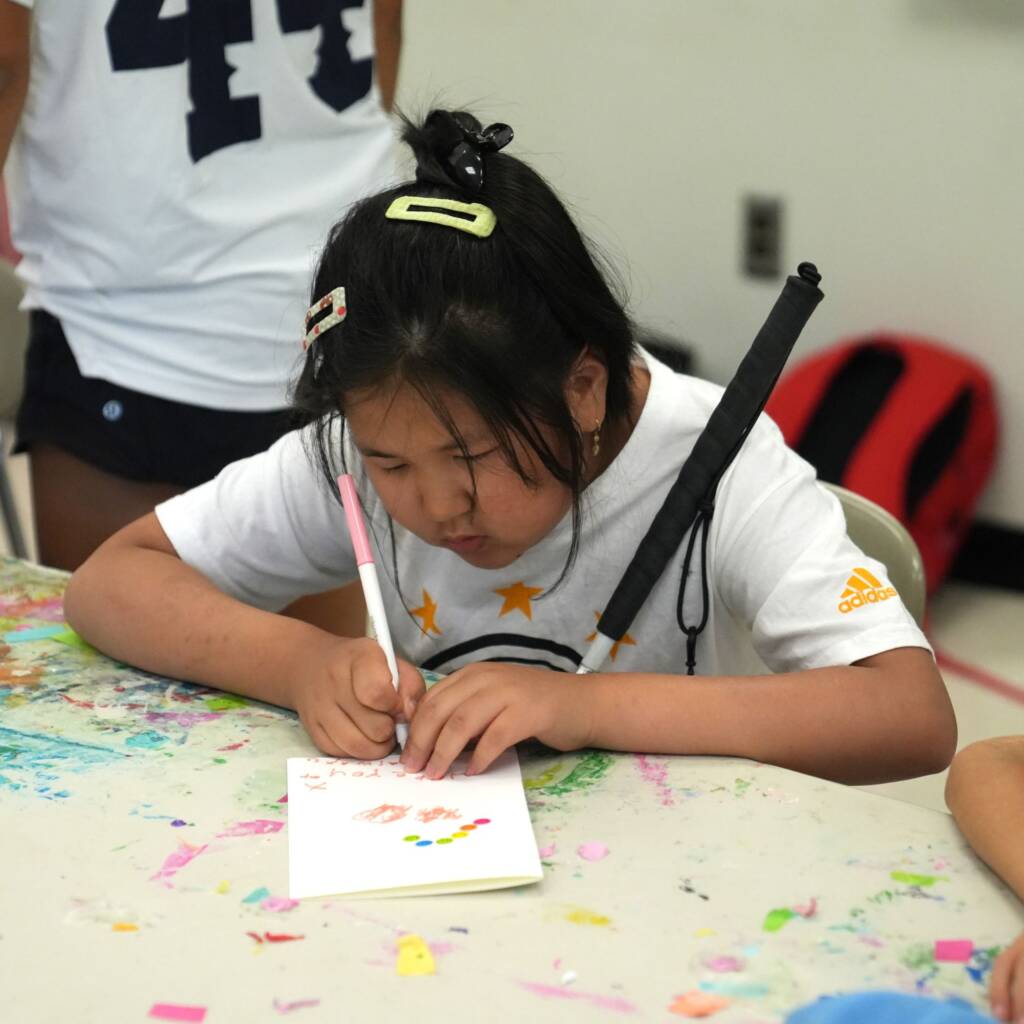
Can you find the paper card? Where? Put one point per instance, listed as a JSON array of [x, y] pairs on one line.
[[373, 829]]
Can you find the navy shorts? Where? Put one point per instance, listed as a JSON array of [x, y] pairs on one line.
[[132, 435]]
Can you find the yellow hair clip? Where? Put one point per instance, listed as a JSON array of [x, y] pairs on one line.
[[473, 218]]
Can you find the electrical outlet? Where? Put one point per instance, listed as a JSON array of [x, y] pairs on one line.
[[762, 236]]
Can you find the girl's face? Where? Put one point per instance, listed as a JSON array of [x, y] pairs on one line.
[[424, 479]]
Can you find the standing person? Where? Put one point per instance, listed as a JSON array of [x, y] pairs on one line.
[[170, 177], [469, 365]]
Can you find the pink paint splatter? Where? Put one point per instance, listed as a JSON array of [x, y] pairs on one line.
[[656, 773], [547, 851], [186, 719], [185, 853], [593, 851], [174, 1011], [807, 909], [615, 1003], [283, 799], [724, 964], [295, 1004], [258, 827], [953, 951], [278, 904]]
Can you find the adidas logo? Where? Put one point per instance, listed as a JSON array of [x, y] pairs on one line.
[[863, 588]]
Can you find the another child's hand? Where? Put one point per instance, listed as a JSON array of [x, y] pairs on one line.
[[345, 699], [1007, 991], [497, 705]]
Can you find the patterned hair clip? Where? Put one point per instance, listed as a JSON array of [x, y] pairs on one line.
[[334, 302], [473, 218]]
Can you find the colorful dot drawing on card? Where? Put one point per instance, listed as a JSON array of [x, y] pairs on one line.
[[463, 833]]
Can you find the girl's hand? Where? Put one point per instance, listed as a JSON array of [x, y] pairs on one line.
[[345, 699], [497, 705], [1007, 992]]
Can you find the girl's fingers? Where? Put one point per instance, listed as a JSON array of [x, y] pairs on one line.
[[432, 712], [470, 719], [1016, 1007], [351, 737], [999, 987], [323, 742], [501, 734], [411, 689], [371, 682]]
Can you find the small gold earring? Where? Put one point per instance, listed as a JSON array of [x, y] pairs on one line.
[[596, 448]]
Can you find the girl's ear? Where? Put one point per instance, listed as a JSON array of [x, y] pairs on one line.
[[585, 391]]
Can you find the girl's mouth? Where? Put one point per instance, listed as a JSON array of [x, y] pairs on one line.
[[466, 544]]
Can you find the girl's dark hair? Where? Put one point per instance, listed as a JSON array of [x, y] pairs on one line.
[[500, 320]]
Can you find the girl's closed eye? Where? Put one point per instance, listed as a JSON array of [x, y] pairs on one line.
[[397, 468], [476, 456]]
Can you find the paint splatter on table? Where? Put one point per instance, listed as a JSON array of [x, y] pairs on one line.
[[147, 868]]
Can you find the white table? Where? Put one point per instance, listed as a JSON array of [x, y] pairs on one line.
[[123, 885]]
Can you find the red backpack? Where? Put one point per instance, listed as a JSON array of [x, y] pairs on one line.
[[905, 422]]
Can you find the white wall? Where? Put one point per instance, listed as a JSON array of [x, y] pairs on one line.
[[892, 129]]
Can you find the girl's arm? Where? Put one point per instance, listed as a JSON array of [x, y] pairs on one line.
[[886, 717], [387, 43], [985, 792], [15, 34], [135, 599]]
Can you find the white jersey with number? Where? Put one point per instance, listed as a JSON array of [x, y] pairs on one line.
[[176, 169]]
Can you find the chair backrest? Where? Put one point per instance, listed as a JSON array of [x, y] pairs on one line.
[[13, 341], [881, 535]]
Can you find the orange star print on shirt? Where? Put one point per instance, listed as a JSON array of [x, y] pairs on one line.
[[627, 639], [517, 598], [426, 613]]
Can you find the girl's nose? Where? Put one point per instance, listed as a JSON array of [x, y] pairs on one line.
[[444, 499]]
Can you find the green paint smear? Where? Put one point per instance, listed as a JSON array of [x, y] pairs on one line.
[[228, 702], [72, 639], [742, 785], [918, 956], [588, 771], [910, 879], [775, 919], [545, 778]]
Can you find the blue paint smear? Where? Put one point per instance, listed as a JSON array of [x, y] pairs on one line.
[[738, 989], [149, 740], [22, 636], [257, 895], [31, 761]]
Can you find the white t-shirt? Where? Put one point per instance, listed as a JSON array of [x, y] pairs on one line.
[[170, 212], [268, 530]]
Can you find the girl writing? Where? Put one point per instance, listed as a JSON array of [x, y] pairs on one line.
[[469, 364]]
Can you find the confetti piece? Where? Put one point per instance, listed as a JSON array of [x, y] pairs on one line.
[[776, 919], [414, 957], [593, 851], [172, 1011], [912, 879], [257, 895], [124, 926], [278, 904], [698, 1004], [954, 951]]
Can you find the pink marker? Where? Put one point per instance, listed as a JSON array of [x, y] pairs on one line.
[[371, 586]]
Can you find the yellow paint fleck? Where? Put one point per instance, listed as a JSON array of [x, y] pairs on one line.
[[124, 926], [414, 956], [223, 887], [579, 915], [545, 778], [704, 933]]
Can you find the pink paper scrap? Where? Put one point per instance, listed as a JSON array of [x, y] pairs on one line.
[[173, 1011]]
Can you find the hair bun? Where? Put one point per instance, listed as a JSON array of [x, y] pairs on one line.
[[449, 147]]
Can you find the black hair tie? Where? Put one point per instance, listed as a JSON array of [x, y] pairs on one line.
[[462, 148]]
